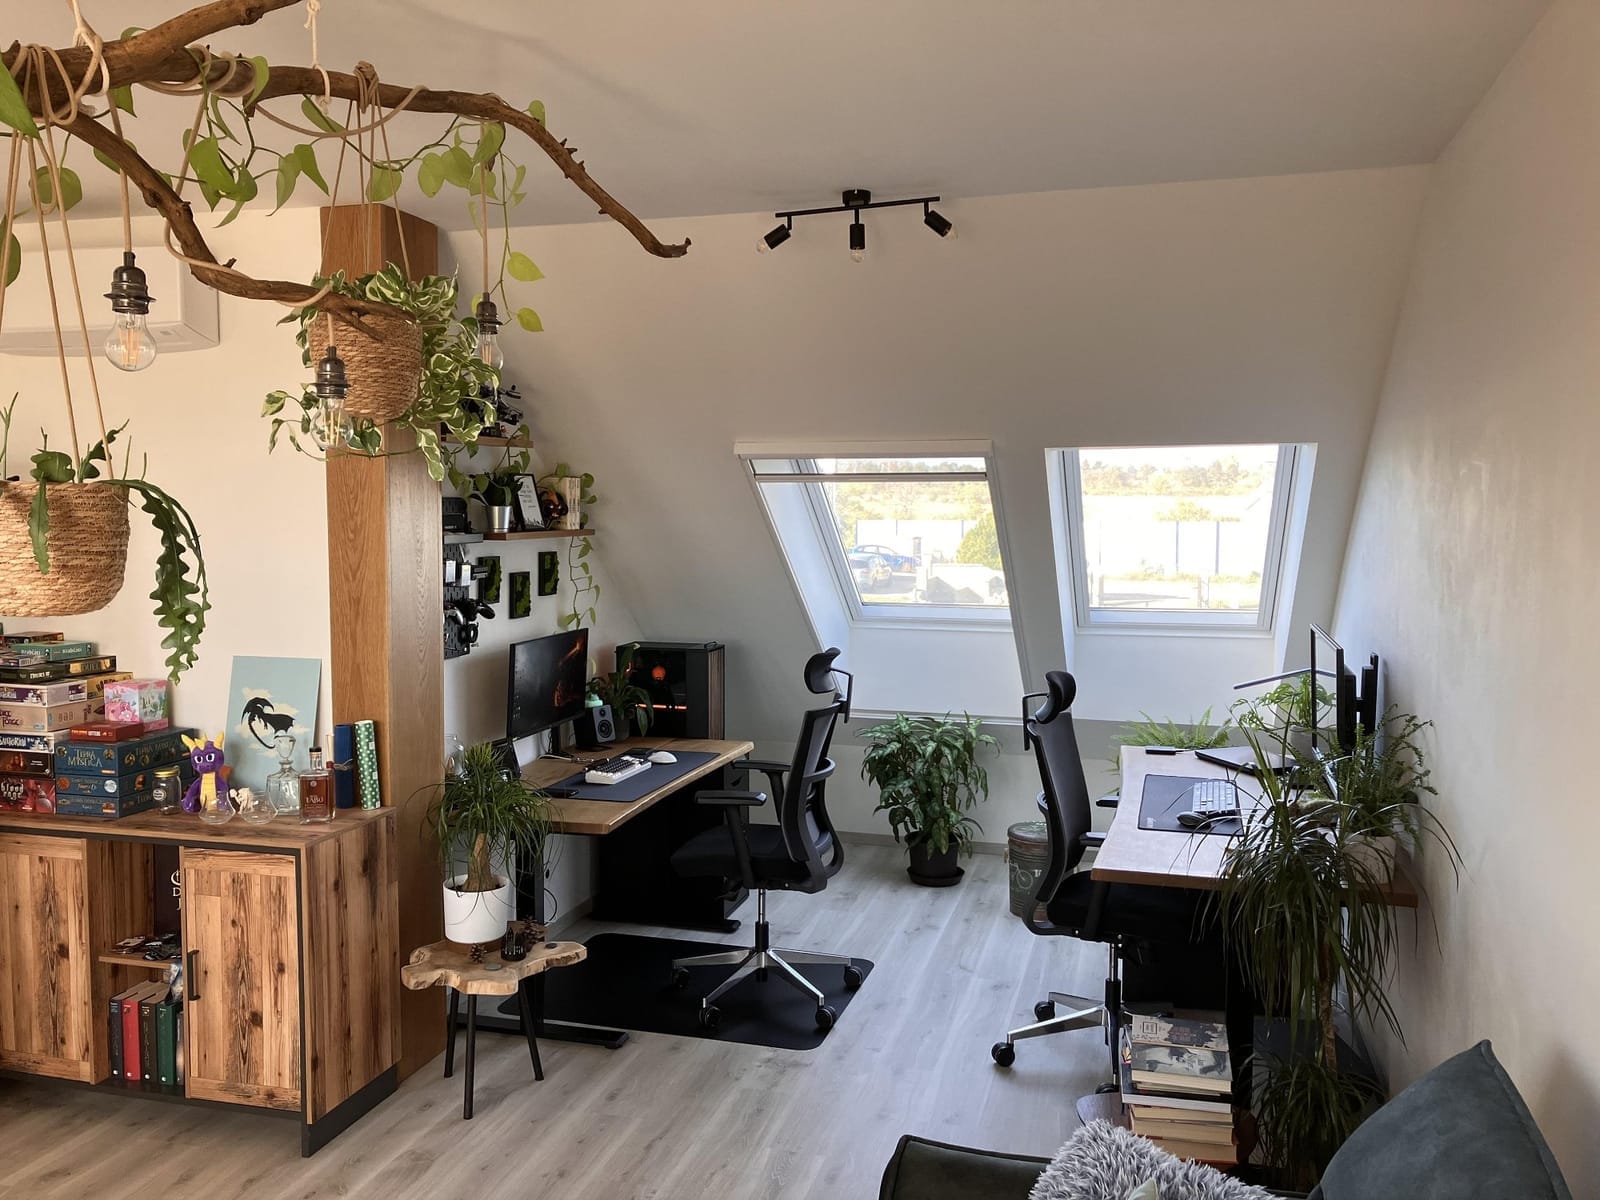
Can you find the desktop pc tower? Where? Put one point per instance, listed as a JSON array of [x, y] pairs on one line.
[[686, 685]]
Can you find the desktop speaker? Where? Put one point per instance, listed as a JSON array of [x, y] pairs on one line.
[[595, 728]]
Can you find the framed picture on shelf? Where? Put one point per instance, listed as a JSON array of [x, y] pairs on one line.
[[529, 516]]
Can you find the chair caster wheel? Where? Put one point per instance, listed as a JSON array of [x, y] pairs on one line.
[[1003, 1053], [680, 977], [1045, 1010], [1108, 1089], [852, 978], [710, 1018], [825, 1018]]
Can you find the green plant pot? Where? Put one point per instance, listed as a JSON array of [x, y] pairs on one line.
[[929, 868]]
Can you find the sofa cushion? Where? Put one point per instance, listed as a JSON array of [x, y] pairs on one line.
[[924, 1170], [1460, 1131]]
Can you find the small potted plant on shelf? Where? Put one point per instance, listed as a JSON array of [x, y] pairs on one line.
[[629, 703], [485, 820], [929, 780]]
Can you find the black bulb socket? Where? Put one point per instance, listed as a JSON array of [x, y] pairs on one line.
[[130, 292], [487, 315], [332, 383]]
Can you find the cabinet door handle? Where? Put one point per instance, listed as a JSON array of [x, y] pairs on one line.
[[189, 975]]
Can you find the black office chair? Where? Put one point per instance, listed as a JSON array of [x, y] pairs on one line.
[[1117, 914], [799, 854]]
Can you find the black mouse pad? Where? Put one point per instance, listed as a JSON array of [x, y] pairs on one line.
[[1165, 796]]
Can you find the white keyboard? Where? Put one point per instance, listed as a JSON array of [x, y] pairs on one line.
[[615, 770], [1214, 798]]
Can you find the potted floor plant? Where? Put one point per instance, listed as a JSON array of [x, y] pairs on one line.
[[1302, 908], [929, 780], [485, 820]]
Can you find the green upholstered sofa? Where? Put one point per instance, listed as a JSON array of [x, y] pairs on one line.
[[1461, 1132]]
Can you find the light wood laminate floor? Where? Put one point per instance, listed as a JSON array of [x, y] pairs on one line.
[[663, 1118]]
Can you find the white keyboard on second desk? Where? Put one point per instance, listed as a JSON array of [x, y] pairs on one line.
[[615, 770]]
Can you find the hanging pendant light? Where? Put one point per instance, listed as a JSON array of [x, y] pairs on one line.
[[488, 318], [329, 425], [131, 347]]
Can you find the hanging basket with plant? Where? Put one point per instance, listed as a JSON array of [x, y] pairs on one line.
[[85, 547]]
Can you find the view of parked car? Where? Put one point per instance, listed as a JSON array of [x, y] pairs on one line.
[[896, 560], [871, 571]]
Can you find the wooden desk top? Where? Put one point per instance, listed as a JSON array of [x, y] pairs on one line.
[[185, 829], [597, 817], [494, 976], [1166, 858]]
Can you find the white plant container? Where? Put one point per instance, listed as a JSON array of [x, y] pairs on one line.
[[477, 918]]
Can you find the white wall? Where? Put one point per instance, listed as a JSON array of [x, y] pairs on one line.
[[1248, 310], [1471, 571], [262, 520]]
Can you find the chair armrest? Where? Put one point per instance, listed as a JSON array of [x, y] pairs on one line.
[[1109, 800], [773, 770], [731, 799]]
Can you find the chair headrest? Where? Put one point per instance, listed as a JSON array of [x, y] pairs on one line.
[[1061, 690], [819, 671]]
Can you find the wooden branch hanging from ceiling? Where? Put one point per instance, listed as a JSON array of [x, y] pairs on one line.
[[167, 56]]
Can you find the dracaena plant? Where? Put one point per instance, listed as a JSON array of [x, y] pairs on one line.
[[454, 390], [181, 592], [929, 777]]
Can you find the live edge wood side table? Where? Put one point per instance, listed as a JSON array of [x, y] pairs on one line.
[[443, 963]]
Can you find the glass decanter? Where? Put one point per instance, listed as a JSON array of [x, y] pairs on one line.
[[283, 785]]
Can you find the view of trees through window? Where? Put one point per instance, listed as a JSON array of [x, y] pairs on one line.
[[1177, 529], [920, 541]]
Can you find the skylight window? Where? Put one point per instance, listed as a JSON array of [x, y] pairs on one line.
[[1187, 536], [904, 538]]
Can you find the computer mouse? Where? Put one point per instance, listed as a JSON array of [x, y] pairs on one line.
[[663, 756], [1191, 820]]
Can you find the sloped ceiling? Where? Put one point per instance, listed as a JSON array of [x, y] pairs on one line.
[[719, 106]]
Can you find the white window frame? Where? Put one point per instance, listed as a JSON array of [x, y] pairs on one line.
[[823, 526], [1212, 622]]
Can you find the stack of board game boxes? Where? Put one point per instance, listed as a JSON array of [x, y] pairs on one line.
[[1177, 1082], [59, 752]]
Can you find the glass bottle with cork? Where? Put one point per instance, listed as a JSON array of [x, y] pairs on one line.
[[316, 791]]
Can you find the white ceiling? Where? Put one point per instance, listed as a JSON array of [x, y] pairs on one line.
[[715, 106]]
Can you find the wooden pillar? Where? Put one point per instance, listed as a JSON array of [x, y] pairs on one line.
[[385, 548]]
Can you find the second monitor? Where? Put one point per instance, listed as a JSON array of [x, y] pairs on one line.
[[547, 682]]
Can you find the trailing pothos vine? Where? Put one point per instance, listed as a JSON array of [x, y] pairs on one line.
[[585, 596]]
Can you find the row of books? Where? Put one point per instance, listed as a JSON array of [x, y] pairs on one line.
[[1177, 1082], [145, 1025]]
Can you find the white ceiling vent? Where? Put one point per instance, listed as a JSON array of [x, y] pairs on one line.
[[183, 314]]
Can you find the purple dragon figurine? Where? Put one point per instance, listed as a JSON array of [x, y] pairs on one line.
[[206, 755]]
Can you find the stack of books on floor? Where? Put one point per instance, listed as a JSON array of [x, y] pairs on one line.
[[1177, 1082]]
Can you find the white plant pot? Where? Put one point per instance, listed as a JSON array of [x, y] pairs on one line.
[[1376, 852], [475, 918]]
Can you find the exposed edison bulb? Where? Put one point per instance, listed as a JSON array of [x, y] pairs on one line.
[[858, 256], [130, 346], [330, 427], [489, 351]]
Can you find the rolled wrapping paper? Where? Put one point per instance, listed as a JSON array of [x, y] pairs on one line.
[[367, 764]]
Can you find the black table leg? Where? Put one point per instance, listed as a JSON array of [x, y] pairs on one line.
[[530, 1026], [450, 1033], [472, 1045]]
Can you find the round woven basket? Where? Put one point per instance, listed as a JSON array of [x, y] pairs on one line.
[[88, 543], [385, 373]]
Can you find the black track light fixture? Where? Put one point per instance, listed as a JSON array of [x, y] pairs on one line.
[[780, 235], [858, 240], [938, 222], [855, 202]]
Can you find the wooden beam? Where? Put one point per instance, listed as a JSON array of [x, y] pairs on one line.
[[386, 608]]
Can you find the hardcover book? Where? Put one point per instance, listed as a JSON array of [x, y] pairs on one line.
[[1181, 1068], [1202, 1029]]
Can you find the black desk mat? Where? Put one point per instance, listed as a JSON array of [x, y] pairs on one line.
[[635, 787], [1165, 796]]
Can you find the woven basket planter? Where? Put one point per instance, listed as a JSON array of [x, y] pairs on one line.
[[88, 543], [384, 374]]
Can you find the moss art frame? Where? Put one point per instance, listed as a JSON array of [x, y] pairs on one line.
[[521, 594], [489, 585], [549, 572]]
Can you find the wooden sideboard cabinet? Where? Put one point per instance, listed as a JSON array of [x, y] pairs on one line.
[[290, 946]]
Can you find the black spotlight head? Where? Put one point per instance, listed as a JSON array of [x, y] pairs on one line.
[[771, 241], [938, 222], [858, 240]]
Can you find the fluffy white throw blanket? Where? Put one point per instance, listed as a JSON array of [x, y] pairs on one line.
[[1104, 1162]]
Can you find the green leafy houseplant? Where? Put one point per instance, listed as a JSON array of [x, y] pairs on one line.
[[451, 388], [484, 814], [181, 592], [928, 777], [585, 587], [627, 699], [1302, 905]]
